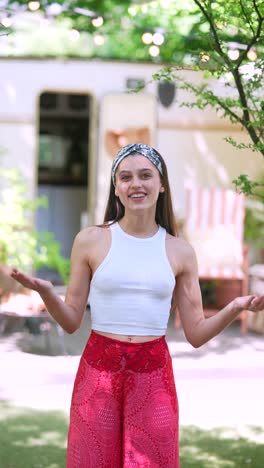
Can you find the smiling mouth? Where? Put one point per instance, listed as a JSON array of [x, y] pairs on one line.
[[138, 196]]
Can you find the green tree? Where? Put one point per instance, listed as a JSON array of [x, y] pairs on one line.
[[231, 61], [180, 21], [224, 38]]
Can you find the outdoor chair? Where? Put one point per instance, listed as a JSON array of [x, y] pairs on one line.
[[214, 226]]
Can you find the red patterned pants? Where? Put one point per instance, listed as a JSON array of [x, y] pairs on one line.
[[124, 411]]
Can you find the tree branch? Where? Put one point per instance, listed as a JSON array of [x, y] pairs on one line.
[[246, 122], [246, 16], [199, 92], [227, 109], [257, 9], [214, 32], [255, 38]]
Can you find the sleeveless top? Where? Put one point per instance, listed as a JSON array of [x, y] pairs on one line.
[[131, 290]]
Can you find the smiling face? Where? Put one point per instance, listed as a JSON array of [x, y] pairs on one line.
[[138, 183]]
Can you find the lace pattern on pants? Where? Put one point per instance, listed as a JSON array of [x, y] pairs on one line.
[[124, 410]]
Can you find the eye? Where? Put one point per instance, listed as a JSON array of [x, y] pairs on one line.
[[124, 177], [146, 175]]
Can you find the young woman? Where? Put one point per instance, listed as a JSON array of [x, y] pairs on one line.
[[124, 409]]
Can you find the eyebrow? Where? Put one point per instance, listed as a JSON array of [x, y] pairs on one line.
[[140, 170]]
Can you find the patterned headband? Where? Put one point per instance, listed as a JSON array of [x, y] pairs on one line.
[[141, 148]]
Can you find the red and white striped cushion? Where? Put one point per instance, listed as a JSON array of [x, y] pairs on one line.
[[214, 226]]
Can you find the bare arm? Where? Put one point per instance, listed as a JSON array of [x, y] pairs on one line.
[[68, 313], [197, 328]]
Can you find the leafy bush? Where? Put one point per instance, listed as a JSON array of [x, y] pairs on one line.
[[21, 245], [254, 224], [254, 219]]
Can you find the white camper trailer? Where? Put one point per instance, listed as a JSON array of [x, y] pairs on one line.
[[62, 121]]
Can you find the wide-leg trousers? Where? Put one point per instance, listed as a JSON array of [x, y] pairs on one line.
[[124, 410]]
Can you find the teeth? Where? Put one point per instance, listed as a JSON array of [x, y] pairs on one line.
[[138, 196]]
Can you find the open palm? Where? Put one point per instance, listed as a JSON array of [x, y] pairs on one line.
[[37, 284], [252, 303]]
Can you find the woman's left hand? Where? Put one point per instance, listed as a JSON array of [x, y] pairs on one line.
[[252, 303]]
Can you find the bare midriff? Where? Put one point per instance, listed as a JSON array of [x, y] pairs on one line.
[[130, 338]]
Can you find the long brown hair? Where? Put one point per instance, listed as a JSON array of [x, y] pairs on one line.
[[164, 211]]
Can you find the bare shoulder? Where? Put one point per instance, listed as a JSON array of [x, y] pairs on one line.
[[92, 244], [181, 252], [91, 235], [179, 243]]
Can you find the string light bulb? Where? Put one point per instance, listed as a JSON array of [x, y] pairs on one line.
[[33, 5], [74, 35], [233, 54], [205, 57], [99, 39], [98, 21], [154, 51], [158, 38], [252, 55], [147, 38]]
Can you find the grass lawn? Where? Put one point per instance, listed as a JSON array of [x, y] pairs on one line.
[[37, 439], [222, 447], [31, 438]]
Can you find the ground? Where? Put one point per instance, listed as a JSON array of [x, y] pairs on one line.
[[220, 385]]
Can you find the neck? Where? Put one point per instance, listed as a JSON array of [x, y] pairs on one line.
[[139, 225]]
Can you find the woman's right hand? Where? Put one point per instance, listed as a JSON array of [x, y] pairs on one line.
[[37, 284]]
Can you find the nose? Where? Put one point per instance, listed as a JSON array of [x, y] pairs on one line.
[[136, 182]]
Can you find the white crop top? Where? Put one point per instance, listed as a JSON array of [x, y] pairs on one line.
[[131, 290]]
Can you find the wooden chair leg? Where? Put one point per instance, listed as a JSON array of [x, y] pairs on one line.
[[244, 325]]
